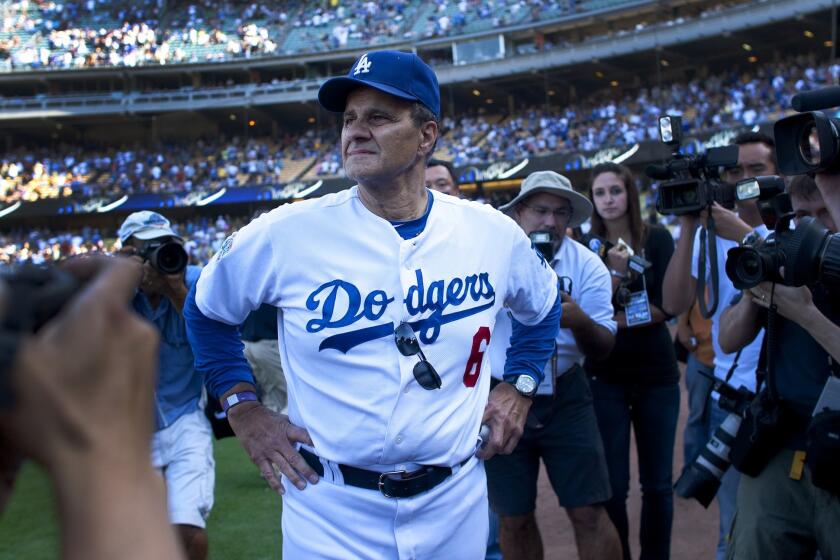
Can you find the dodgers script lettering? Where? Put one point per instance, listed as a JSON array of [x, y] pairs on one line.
[[340, 304]]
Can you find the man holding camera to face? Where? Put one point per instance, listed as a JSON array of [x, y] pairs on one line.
[[182, 446], [562, 428], [789, 497], [755, 158]]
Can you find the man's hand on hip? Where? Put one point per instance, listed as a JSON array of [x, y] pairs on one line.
[[269, 440], [505, 413]]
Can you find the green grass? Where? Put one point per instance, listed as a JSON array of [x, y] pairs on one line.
[[244, 523]]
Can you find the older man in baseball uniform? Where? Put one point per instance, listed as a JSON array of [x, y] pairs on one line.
[[387, 295]]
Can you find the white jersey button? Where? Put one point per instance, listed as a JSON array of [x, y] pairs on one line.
[[398, 439]]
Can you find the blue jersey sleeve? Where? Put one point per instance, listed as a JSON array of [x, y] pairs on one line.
[[217, 348], [532, 346]]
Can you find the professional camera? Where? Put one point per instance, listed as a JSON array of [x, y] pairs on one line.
[[810, 141], [690, 183], [33, 296], [809, 253], [701, 479], [167, 256]]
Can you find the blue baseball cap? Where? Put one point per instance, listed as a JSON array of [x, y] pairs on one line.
[[397, 73]]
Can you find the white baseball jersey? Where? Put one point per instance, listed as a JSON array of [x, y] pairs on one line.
[[343, 279], [744, 374]]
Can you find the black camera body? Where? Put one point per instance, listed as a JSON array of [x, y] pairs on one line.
[[637, 264], [34, 295], [166, 255], [809, 254], [691, 183], [543, 242]]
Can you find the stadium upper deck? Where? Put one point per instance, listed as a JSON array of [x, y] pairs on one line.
[[45, 34]]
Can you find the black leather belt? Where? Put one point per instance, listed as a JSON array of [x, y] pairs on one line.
[[392, 484]]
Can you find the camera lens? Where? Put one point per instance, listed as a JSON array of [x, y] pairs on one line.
[[809, 145], [170, 258], [749, 267]]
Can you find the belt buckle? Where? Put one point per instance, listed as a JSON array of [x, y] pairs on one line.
[[383, 477]]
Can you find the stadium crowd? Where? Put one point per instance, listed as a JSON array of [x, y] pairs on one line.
[[32, 174], [202, 236], [747, 98], [737, 98], [609, 365], [91, 33]]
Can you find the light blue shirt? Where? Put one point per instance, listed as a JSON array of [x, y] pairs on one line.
[[178, 389]]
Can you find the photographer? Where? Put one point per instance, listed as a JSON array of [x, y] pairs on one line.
[[182, 446], [562, 428], [781, 513], [755, 158], [829, 187], [81, 407], [638, 383]]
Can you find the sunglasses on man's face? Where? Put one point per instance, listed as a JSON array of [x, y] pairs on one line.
[[408, 345]]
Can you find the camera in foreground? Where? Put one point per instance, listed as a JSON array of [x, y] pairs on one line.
[[701, 479], [810, 141], [166, 256], [690, 184], [34, 295], [808, 254]]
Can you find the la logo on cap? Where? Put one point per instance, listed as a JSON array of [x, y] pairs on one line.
[[363, 66]]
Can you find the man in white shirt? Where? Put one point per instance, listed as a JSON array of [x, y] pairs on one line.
[[756, 157], [562, 429]]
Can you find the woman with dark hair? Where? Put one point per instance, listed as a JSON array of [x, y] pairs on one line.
[[638, 383]]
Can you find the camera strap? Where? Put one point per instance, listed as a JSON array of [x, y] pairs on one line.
[[700, 292], [771, 334], [734, 366]]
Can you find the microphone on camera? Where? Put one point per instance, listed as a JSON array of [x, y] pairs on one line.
[[817, 99]]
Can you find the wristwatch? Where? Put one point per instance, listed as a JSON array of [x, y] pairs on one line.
[[752, 239], [526, 386]]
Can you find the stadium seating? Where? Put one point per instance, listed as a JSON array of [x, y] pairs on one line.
[[736, 98], [88, 33]]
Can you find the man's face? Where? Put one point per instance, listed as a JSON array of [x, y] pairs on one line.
[[544, 212], [379, 141], [815, 207], [754, 160], [439, 179]]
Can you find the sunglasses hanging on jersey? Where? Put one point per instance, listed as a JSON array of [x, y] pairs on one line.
[[408, 345]]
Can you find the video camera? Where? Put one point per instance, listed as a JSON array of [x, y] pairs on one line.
[[690, 183], [809, 253], [166, 255], [33, 296], [810, 141]]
